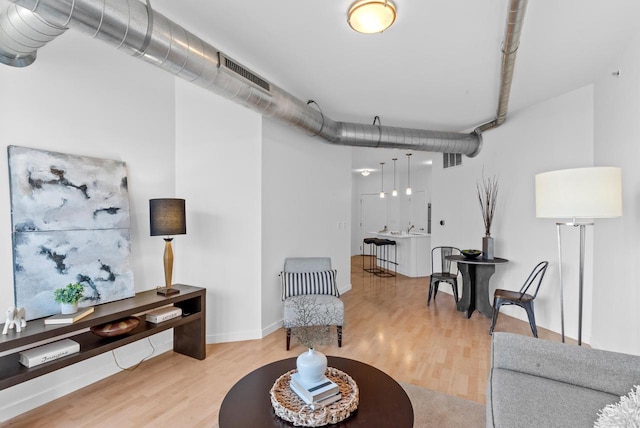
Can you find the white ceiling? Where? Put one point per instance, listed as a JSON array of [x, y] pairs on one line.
[[436, 68]]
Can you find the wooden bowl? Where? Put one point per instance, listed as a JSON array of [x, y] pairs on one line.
[[116, 328]]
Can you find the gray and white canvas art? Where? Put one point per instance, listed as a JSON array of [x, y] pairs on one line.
[[70, 217]]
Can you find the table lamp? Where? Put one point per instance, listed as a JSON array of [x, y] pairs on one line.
[[167, 217], [579, 193]]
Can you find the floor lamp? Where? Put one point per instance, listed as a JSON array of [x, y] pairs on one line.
[[576, 194]]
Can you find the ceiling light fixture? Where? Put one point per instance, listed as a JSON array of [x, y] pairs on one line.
[[382, 180], [365, 172], [371, 16], [394, 192], [408, 173]]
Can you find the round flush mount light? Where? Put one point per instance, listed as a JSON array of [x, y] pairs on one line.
[[371, 16], [365, 172]]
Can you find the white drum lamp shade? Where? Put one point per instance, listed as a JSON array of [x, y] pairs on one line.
[[579, 193]]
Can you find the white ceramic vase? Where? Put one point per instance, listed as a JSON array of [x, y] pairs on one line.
[[68, 308], [311, 366]]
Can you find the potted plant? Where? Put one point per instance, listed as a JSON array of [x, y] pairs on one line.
[[68, 297], [487, 196]]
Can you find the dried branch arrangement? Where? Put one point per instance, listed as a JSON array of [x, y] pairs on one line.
[[487, 196], [312, 320]]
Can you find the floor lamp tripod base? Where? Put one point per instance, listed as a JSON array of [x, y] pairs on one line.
[[582, 227]]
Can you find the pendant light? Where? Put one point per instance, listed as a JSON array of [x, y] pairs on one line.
[[408, 173], [382, 180], [394, 192]]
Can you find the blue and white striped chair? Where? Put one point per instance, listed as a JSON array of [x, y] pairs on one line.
[[305, 277]]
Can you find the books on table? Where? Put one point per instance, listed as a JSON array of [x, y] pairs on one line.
[[323, 392], [49, 352], [69, 318]]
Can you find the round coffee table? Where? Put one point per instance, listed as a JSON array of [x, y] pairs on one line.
[[383, 402]]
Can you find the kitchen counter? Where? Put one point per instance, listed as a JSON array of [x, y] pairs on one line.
[[413, 249]]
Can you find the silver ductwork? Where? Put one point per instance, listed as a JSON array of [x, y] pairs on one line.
[[515, 19], [21, 34], [135, 28]]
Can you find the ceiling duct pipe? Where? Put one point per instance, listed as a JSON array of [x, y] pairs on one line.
[[21, 34], [135, 28], [515, 19]]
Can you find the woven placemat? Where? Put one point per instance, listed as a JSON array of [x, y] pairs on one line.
[[288, 406]]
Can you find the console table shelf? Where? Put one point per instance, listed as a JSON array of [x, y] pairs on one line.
[[188, 332]]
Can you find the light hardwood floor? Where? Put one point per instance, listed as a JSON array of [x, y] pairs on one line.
[[388, 325]]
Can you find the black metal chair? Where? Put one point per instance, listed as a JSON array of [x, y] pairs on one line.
[[445, 274], [520, 298]]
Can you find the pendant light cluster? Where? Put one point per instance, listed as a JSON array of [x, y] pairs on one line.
[[394, 192], [382, 180], [408, 173]]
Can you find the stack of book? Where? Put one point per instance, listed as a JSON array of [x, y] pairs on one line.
[[323, 392], [69, 318]]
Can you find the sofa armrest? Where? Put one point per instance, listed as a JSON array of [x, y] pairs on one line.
[[605, 371]]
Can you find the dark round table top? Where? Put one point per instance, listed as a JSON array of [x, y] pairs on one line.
[[477, 260], [383, 402]]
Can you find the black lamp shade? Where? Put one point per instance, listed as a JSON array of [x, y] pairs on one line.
[[167, 217]]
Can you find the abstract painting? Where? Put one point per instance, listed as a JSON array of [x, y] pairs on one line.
[[70, 218]]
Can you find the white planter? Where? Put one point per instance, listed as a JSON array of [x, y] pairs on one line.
[[68, 308], [311, 366]]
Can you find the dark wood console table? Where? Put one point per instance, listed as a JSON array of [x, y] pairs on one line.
[[188, 332], [475, 284], [383, 402]]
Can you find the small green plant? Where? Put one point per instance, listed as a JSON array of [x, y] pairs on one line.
[[71, 293]]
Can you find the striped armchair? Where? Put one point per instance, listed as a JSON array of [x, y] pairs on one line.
[[310, 277]]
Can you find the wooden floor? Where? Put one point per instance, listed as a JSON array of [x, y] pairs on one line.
[[388, 325]]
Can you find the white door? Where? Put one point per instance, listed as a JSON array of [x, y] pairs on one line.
[[374, 214], [419, 211]]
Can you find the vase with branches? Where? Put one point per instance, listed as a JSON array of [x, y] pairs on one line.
[[311, 326], [487, 196]]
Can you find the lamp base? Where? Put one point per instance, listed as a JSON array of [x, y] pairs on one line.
[[167, 291]]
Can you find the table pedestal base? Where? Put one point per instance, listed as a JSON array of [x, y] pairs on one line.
[[475, 297]]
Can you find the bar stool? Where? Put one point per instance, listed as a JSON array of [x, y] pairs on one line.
[[372, 254], [382, 249]]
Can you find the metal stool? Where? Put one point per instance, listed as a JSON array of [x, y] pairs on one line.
[[373, 255], [382, 249]]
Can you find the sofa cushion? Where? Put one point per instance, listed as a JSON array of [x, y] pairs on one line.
[[517, 399], [300, 283], [606, 371]]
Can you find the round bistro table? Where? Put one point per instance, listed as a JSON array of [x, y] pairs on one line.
[[383, 402], [475, 284]]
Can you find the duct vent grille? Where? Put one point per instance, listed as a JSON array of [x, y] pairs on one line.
[[451, 159], [233, 66]]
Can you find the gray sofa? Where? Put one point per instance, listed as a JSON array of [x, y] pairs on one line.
[[537, 383]]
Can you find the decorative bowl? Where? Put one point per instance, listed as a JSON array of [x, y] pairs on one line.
[[471, 254], [116, 328]]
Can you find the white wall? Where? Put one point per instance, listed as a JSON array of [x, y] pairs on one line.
[[218, 172], [306, 209], [617, 241], [552, 135], [84, 98]]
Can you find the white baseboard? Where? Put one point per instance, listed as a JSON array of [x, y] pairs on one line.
[[36, 392], [236, 336]]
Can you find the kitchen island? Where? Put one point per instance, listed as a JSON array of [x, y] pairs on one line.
[[413, 259]]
